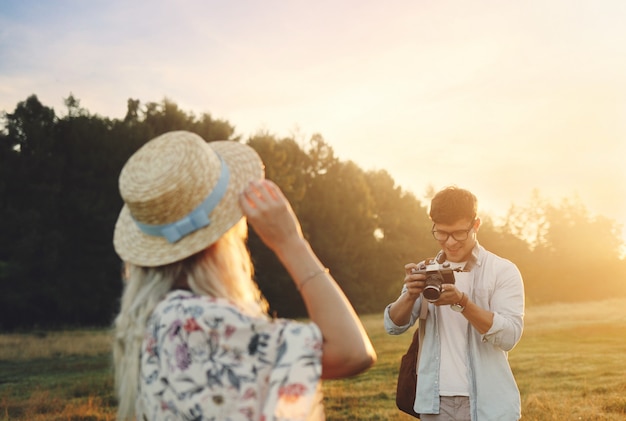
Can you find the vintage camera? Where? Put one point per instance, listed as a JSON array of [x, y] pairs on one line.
[[436, 275]]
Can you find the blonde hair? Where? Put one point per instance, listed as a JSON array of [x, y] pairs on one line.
[[222, 270]]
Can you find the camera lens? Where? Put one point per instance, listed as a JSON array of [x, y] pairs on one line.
[[432, 290]]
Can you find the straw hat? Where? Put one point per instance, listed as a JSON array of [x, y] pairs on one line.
[[181, 194]]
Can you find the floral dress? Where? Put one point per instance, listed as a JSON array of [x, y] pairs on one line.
[[202, 359]]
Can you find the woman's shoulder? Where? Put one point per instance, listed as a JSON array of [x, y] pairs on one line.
[[208, 346], [200, 312], [185, 300], [184, 304]]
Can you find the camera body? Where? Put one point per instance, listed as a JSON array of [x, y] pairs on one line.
[[437, 274]]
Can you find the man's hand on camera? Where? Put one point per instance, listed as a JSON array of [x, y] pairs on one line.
[[449, 295], [414, 282]]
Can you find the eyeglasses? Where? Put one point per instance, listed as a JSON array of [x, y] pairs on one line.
[[460, 235]]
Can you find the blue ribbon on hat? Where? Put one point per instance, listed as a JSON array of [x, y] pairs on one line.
[[196, 219]]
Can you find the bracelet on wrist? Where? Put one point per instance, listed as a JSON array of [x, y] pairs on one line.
[[313, 275]]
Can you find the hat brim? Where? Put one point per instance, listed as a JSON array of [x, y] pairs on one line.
[[133, 246]]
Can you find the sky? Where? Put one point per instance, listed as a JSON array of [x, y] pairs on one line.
[[500, 97]]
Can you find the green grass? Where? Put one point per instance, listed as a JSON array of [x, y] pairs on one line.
[[570, 365], [61, 388]]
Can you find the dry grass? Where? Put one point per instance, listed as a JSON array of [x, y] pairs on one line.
[[570, 365], [566, 316], [21, 346], [42, 405]]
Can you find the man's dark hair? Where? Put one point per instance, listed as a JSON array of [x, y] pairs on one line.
[[453, 204]]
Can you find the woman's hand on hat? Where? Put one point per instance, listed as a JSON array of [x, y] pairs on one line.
[[270, 214]]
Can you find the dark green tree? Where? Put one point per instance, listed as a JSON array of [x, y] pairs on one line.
[[59, 202], [402, 234], [285, 164], [28, 207]]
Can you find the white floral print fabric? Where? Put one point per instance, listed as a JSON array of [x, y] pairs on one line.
[[202, 359]]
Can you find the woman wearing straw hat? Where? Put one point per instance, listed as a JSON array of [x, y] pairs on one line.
[[193, 339]]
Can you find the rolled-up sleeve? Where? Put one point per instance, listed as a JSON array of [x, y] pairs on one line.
[[507, 304], [394, 329]]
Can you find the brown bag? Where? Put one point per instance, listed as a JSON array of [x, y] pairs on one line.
[[407, 375]]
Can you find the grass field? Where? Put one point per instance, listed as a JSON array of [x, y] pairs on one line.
[[570, 365]]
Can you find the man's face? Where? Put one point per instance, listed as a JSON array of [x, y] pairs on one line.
[[457, 240]]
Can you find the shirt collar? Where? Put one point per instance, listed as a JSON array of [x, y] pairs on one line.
[[473, 260]]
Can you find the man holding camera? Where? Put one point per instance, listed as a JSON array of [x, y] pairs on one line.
[[474, 318]]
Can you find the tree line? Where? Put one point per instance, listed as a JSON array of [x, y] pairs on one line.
[[59, 202]]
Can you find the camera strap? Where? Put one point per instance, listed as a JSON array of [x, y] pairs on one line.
[[422, 330]]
